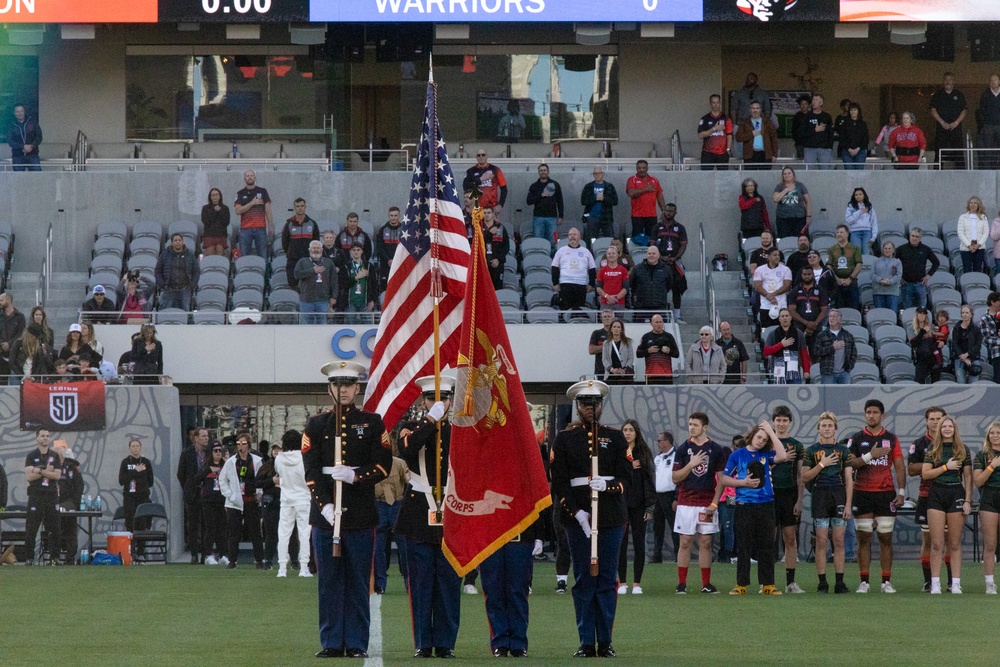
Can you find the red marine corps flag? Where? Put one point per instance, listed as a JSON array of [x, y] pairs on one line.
[[496, 481]]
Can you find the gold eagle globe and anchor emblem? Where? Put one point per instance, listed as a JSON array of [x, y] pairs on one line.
[[486, 400]]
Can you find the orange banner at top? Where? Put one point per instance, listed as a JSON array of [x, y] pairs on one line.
[[78, 11]]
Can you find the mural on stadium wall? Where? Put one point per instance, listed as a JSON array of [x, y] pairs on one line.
[[150, 414], [733, 409]]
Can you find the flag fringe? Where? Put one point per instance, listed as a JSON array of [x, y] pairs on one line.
[[531, 518]]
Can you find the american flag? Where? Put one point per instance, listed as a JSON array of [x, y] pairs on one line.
[[404, 348]]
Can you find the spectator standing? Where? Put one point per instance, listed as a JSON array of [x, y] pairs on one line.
[[706, 362], [771, 282], [862, 223], [215, 222], [838, 126], [799, 259], [914, 257], [253, 205], [87, 338], [39, 317], [30, 358], [267, 483], [351, 234], [617, 356], [808, 305], [192, 461], [135, 294], [658, 347], [12, 325], [650, 283], [489, 179], [883, 136], [42, 471], [948, 109], [989, 327], [736, 355], [844, 260], [836, 352], [599, 199], [70, 495], [786, 345], [983, 468], [612, 281], [497, 246], [296, 236], [135, 475], [907, 143], [212, 512], [545, 195], [805, 104], [989, 120], [24, 138], [670, 236], [887, 276], [793, 210], [716, 134], [854, 138], [817, 135], [747, 95], [177, 273], [597, 338], [966, 343], [759, 256], [573, 272], [754, 219], [646, 194], [921, 338], [147, 356], [640, 498], [995, 238], [788, 493], [316, 277], [237, 481], [98, 308], [665, 510], [330, 249], [973, 231], [759, 138], [386, 241], [358, 292]]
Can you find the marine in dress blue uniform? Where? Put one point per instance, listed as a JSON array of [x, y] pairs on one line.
[[344, 616], [435, 589], [594, 598]]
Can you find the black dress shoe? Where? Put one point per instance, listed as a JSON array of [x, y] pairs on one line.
[[605, 651], [423, 653], [379, 590], [331, 653], [231, 566], [444, 652], [500, 652], [518, 653], [356, 653], [585, 651], [194, 557]]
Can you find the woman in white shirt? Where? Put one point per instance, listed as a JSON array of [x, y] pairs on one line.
[[973, 231]]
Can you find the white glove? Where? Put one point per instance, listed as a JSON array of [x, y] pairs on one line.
[[537, 549], [327, 513], [436, 412], [599, 484], [343, 473], [583, 518]]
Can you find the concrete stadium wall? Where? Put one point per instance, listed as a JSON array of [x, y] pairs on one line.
[[732, 410], [151, 414]]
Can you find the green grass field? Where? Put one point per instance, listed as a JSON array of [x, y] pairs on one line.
[[197, 615]]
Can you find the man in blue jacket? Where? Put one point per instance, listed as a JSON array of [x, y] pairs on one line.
[[177, 273], [24, 138]]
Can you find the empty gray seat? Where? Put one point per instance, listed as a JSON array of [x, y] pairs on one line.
[[536, 246], [109, 244], [537, 281], [865, 371], [537, 298], [283, 300], [148, 229], [211, 299], [850, 316], [215, 264], [894, 351], [511, 315], [889, 333], [507, 297], [878, 316], [113, 228], [543, 314], [941, 278], [977, 296], [213, 281], [106, 262], [866, 353], [171, 316], [859, 332], [248, 297], [145, 245], [899, 371], [249, 280], [208, 316], [974, 279], [251, 263], [279, 280]]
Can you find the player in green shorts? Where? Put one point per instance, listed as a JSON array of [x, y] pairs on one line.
[[786, 479], [987, 479]]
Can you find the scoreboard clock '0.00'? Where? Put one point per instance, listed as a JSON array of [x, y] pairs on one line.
[[233, 11]]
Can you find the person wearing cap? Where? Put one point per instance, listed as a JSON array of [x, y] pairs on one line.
[[99, 308], [210, 536], [594, 597], [344, 616], [135, 474], [237, 481], [70, 492], [434, 588], [42, 471], [30, 357]]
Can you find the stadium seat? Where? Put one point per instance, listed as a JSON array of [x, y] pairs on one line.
[[987, 374], [751, 244], [889, 333], [106, 262], [283, 300], [974, 279], [213, 281], [248, 297], [977, 314], [171, 316], [895, 351], [153, 230], [251, 263], [113, 228], [145, 264], [898, 371], [888, 225], [538, 298], [865, 372], [150, 545], [508, 298], [211, 299], [6, 230], [109, 244], [859, 332], [933, 242], [215, 264], [537, 280], [896, 240], [878, 316], [542, 314], [851, 316], [511, 315], [823, 244], [537, 262], [945, 296], [279, 280], [107, 278], [976, 296], [866, 353], [536, 246], [144, 245], [599, 247], [209, 316], [511, 281], [788, 245], [252, 280]]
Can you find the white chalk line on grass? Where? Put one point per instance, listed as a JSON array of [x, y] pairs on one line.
[[375, 632]]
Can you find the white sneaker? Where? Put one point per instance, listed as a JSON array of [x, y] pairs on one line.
[[991, 589], [887, 587], [224, 561], [210, 560], [793, 588], [636, 590], [304, 572], [935, 590], [733, 560], [956, 589], [282, 573], [469, 589], [623, 589], [862, 587]]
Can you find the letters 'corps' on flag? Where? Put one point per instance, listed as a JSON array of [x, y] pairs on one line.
[[404, 347], [496, 480]]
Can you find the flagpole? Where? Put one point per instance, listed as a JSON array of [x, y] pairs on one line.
[[436, 289]]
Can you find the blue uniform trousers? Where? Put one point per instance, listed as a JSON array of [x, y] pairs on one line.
[[595, 598], [505, 578], [386, 520], [344, 615], [435, 595]]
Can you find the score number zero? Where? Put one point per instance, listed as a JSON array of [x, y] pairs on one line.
[[259, 6]]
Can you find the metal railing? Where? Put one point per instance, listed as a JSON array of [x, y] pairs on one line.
[[82, 148], [45, 273], [969, 158], [370, 159]]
